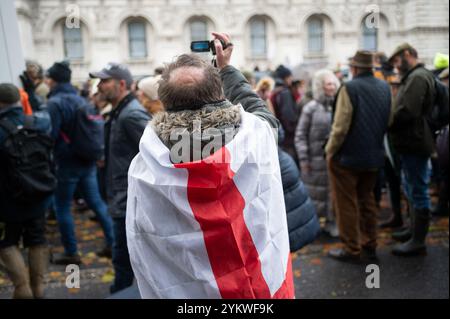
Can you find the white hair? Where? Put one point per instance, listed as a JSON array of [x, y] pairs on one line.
[[318, 80]]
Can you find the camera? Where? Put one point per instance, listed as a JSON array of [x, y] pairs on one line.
[[206, 46]]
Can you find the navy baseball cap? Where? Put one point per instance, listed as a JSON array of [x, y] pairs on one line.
[[114, 71]]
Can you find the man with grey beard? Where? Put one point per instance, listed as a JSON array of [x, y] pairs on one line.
[[412, 139]]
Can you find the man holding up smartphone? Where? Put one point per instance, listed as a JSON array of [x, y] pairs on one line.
[[209, 221]]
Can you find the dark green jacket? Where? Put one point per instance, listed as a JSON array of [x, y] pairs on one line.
[[239, 91], [410, 133]]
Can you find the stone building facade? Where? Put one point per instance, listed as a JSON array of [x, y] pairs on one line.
[[298, 33]]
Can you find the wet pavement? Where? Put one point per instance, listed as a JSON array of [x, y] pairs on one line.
[[316, 275]]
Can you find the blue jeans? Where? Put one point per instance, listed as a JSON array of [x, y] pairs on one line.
[[416, 179], [69, 177], [124, 274]]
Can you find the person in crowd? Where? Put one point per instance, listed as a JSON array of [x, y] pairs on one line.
[[354, 155], [440, 63], [202, 192], [442, 207], [392, 173], [158, 71], [147, 94], [34, 85], [263, 89], [22, 217], [250, 77], [285, 106], [412, 139], [442, 146], [383, 70], [443, 76], [123, 131], [72, 169], [311, 135], [303, 223]]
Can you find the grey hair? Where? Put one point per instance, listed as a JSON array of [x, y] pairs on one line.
[[317, 83]]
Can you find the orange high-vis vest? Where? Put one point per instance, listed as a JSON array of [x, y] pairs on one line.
[[25, 102]]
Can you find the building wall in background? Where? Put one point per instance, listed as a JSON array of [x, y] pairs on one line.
[[105, 33]]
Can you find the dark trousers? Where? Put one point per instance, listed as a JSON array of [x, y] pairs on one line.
[[121, 259], [31, 231], [394, 181], [355, 207]]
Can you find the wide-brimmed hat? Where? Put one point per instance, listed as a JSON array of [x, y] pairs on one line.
[[362, 59]]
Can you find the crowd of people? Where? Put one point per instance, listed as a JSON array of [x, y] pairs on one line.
[[337, 143]]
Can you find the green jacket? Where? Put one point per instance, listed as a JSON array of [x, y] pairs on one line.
[[410, 133]]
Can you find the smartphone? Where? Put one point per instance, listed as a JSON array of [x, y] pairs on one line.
[[200, 46]]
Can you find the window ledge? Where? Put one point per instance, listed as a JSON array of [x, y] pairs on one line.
[[79, 63], [315, 56], [138, 61]]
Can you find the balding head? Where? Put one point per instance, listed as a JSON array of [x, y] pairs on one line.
[[189, 83]]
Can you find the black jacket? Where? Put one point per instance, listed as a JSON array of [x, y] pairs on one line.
[[11, 211], [123, 131]]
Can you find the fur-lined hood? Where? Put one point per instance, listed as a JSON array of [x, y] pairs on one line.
[[222, 118]]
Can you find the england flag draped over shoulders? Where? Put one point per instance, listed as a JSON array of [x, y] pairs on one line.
[[214, 228]]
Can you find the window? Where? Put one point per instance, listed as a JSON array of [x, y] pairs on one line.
[[137, 39], [315, 35], [199, 30], [258, 37], [73, 43], [369, 37]]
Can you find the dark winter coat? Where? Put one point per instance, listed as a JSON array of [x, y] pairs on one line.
[[9, 210], [123, 131], [410, 133]]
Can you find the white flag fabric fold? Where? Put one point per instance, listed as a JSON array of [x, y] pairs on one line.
[[214, 228]]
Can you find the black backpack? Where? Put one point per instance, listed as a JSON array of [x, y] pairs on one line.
[[87, 137], [27, 155], [439, 115]]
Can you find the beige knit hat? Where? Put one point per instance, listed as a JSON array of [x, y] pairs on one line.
[[150, 87]]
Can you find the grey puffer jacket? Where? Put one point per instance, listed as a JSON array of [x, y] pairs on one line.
[[310, 137], [123, 132]]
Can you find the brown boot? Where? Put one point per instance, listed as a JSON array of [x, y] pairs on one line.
[[38, 260], [17, 272]]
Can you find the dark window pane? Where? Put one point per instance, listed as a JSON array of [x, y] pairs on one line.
[[73, 43], [199, 30], [315, 35], [258, 37], [137, 40]]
